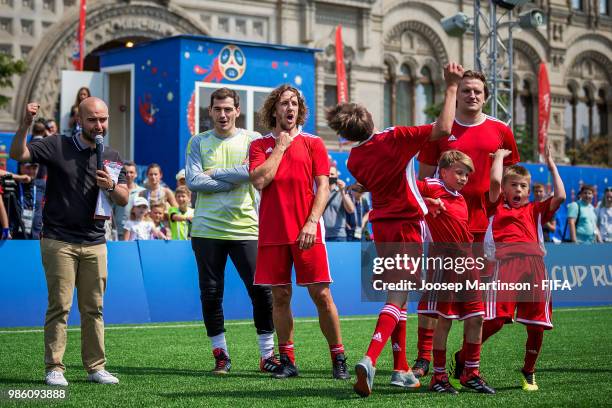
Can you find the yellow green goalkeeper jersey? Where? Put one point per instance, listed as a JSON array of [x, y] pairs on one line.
[[226, 200]]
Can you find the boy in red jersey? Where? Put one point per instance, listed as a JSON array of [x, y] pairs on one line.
[[285, 165], [477, 135], [451, 237], [515, 233], [383, 163]]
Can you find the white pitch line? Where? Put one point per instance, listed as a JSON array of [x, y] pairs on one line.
[[242, 323], [181, 326]]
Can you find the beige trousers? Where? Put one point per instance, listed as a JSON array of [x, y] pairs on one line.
[[68, 266]]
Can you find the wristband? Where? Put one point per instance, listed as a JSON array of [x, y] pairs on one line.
[[5, 233], [110, 190]]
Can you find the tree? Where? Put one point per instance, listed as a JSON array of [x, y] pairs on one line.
[[8, 68]]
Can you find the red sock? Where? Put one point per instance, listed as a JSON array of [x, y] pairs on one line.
[[490, 327], [425, 343], [287, 348], [439, 362], [472, 360], [387, 320], [535, 335], [398, 342], [335, 349]]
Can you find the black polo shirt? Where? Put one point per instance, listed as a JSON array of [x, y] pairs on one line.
[[72, 192]]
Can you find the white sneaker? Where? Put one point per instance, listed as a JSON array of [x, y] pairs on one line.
[[103, 377], [56, 378]]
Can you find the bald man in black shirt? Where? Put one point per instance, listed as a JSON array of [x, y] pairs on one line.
[[73, 247]]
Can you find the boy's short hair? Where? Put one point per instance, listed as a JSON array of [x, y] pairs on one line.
[[182, 190], [516, 171], [538, 185], [159, 205], [450, 157], [223, 93], [586, 187], [352, 121]]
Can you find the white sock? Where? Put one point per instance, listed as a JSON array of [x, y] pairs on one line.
[[266, 344], [218, 341]]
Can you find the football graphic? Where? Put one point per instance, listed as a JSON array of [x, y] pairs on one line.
[[232, 62]]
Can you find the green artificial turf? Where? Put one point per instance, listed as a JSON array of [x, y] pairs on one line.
[[167, 365]]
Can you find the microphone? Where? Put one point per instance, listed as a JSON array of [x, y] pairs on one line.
[[99, 151]]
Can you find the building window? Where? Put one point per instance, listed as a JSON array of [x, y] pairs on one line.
[[7, 3], [424, 97], [69, 3], [331, 96], [577, 5], [49, 5], [404, 97], [6, 25], [223, 24], [249, 117], [258, 28], [388, 96], [6, 49], [604, 8], [25, 51], [602, 112], [28, 4], [241, 27], [27, 27]]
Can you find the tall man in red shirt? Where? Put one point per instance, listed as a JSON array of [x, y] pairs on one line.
[[477, 135], [284, 165], [383, 163]]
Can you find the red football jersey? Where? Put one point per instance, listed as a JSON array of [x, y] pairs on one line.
[[383, 165], [287, 201], [519, 225], [451, 225], [477, 141]]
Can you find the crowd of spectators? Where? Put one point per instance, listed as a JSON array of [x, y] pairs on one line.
[[154, 211]]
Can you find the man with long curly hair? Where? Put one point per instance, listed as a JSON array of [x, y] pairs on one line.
[[284, 165]]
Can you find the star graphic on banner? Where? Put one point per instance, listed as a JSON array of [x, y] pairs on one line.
[[200, 48]]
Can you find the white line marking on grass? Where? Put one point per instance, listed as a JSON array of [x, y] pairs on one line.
[[242, 323], [183, 326]]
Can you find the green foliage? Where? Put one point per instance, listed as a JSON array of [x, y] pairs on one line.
[[593, 153], [433, 111], [525, 143], [8, 68]]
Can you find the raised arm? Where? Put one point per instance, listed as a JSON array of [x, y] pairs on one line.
[[558, 187], [308, 234], [453, 73], [347, 201], [19, 147], [497, 173], [195, 177], [265, 173]]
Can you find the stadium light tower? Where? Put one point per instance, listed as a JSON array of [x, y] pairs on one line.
[[492, 55]]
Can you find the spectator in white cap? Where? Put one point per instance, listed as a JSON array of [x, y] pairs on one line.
[[180, 178], [140, 226]]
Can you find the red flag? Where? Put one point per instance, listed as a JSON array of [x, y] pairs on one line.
[[341, 83], [543, 107], [79, 46]]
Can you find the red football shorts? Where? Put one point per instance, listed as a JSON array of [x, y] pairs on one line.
[[274, 264], [532, 306], [451, 304], [400, 237]]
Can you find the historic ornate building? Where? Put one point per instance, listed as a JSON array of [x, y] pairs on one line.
[[394, 51]]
